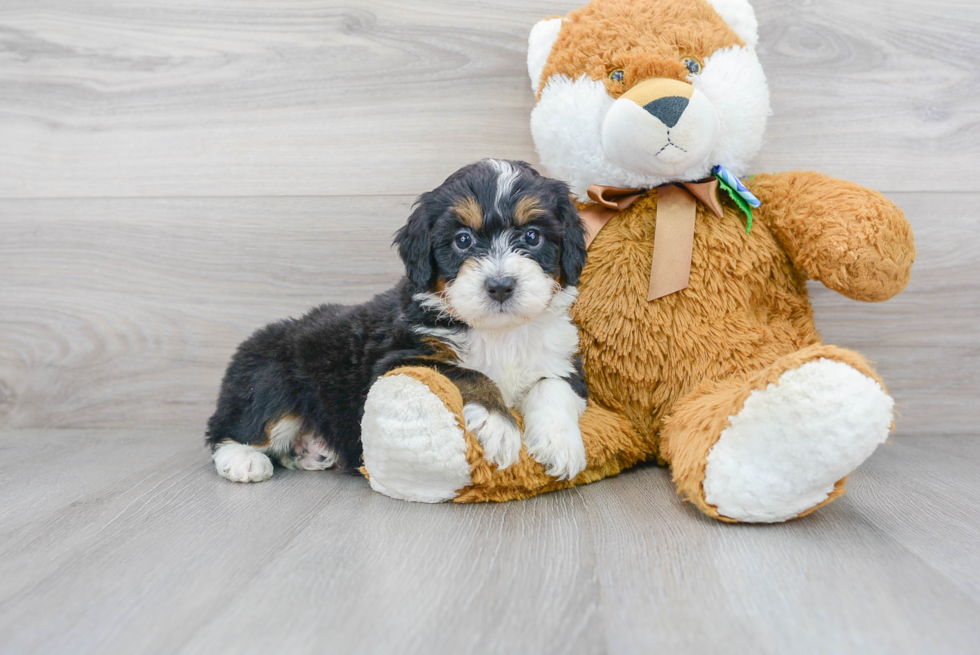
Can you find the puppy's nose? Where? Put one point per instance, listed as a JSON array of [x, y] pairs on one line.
[[668, 109], [501, 288]]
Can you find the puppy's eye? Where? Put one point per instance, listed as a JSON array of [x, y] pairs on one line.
[[693, 65], [532, 237], [462, 241], [618, 75]]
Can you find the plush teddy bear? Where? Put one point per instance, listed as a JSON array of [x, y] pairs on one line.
[[696, 332]]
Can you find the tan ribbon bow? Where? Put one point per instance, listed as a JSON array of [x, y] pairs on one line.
[[673, 242]]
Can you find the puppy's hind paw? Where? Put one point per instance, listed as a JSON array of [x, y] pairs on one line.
[[497, 433], [240, 463], [309, 453]]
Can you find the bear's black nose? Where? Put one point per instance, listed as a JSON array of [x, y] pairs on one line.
[[500, 289], [667, 109]]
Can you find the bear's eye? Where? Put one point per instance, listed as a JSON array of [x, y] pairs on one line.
[[618, 75], [693, 65]]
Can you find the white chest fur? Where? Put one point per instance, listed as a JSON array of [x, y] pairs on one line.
[[516, 358]]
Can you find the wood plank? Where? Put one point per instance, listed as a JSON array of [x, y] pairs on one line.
[[55, 469], [938, 502], [171, 558], [108, 98], [833, 582], [440, 579], [119, 313], [873, 90], [176, 559]]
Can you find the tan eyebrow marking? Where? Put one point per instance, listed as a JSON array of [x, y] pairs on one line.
[[528, 209], [468, 212]]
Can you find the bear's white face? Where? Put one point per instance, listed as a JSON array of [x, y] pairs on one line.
[[660, 130]]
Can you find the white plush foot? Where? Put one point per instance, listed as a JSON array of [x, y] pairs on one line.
[[414, 448], [551, 434], [240, 463], [791, 442], [309, 453], [498, 434]]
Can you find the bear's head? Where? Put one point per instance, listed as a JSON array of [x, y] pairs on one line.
[[639, 93]]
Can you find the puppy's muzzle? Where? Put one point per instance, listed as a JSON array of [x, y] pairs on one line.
[[501, 288]]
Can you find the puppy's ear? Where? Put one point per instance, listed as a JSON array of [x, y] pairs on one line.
[[415, 246], [573, 252]]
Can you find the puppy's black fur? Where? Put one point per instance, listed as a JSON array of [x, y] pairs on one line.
[[320, 367]]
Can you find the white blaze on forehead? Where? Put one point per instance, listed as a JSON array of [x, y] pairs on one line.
[[506, 177]]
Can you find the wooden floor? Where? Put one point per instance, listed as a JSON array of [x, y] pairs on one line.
[[175, 174], [115, 541]]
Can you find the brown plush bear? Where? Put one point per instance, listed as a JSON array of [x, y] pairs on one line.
[[696, 331]]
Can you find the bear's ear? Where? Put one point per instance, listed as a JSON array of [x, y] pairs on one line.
[[740, 17], [543, 37]]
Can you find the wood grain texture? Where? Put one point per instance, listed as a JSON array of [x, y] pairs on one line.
[[119, 313], [157, 554], [939, 489], [876, 91], [243, 98], [831, 583], [173, 175]]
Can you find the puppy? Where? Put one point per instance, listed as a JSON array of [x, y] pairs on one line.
[[492, 258]]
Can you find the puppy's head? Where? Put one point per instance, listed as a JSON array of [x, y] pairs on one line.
[[493, 244]]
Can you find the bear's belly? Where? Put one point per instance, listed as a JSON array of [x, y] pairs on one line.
[[745, 306]]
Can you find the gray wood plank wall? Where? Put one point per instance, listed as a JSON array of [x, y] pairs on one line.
[[174, 175]]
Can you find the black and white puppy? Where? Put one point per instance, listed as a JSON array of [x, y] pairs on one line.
[[492, 258]]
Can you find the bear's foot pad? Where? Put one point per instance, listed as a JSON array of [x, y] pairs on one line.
[[789, 445], [414, 447]]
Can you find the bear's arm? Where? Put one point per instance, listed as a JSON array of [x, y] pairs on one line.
[[850, 238]]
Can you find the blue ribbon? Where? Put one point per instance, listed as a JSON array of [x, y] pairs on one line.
[[736, 185]]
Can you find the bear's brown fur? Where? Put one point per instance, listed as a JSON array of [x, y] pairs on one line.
[[600, 35], [666, 376]]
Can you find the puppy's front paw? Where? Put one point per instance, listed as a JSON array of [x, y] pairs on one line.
[[551, 433], [497, 433], [554, 440]]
